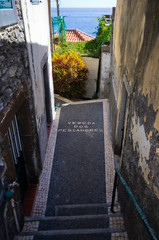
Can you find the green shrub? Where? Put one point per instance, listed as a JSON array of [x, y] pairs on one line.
[[79, 47], [102, 35], [69, 74]]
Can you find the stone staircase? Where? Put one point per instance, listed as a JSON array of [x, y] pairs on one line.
[[75, 189], [78, 222]]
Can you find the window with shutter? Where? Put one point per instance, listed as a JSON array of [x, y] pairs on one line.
[[8, 15], [4, 4], [35, 1]]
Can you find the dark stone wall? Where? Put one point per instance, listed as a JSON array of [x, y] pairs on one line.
[[14, 70], [16, 97]]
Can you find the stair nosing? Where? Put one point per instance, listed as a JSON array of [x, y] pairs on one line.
[[74, 217], [73, 232], [85, 205]]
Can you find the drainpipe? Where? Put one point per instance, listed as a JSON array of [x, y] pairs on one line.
[[130, 97], [8, 196], [5, 220], [49, 10], [58, 11], [15, 215], [51, 46], [124, 135], [11, 186]]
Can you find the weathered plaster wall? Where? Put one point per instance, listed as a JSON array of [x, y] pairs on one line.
[[135, 49], [91, 85]]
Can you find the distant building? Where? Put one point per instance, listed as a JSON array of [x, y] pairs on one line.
[[26, 101], [75, 35], [71, 35], [107, 19]]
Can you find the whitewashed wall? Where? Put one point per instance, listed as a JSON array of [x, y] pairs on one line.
[[92, 65], [37, 32], [104, 86]]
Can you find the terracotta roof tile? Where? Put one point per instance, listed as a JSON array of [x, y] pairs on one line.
[[75, 35]]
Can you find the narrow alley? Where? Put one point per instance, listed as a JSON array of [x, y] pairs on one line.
[[75, 169], [75, 189]]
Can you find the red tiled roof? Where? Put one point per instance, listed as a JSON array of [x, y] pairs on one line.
[[75, 35]]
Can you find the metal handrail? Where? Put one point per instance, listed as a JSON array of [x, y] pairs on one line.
[[140, 212]]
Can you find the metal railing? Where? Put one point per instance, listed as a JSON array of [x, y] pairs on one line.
[[140, 212]]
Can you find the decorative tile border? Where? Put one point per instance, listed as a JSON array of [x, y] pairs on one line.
[[41, 198], [119, 236], [109, 155], [114, 222], [44, 182]]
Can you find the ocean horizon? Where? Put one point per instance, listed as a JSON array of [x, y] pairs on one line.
[[83, 19]]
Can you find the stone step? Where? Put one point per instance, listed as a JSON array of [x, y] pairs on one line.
[[73, 222], [74, 234], [98, 222], [86, 237], [66, 218], [81, 209]]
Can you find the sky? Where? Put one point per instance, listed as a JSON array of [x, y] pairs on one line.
[[85, 3]]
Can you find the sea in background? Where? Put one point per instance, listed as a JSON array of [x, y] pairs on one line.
[[83, 19]]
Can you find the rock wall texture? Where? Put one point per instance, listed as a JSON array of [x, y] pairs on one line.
[[14, 69], [135, 69]]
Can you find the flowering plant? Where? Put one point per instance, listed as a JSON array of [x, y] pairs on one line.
[[69, 74]]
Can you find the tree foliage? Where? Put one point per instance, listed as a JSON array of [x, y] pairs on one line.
[[92, 47], [102, 35]]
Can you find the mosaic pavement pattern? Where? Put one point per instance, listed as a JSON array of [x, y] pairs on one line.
[[95, 126]]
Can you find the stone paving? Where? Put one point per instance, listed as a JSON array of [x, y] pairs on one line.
[[78, 175], [43, 189]]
